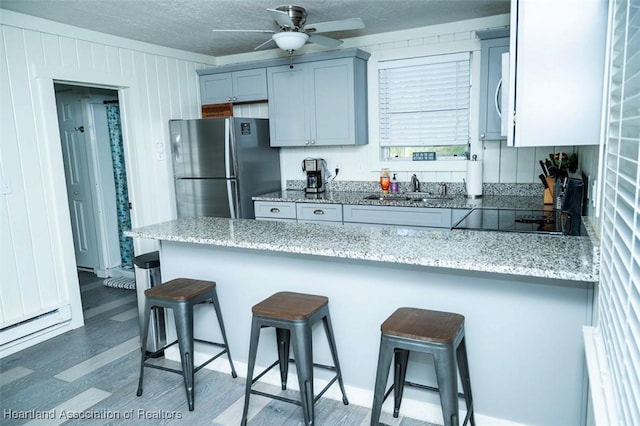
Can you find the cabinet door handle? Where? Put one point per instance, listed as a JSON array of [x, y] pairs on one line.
[[312, 142], [229, 99], [496, 99], [318, 211], [275, 210], [235, 99], [306, 142]]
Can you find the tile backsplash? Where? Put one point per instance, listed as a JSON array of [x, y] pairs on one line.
[[453, 188]]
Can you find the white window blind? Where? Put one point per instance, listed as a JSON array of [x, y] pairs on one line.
[[619, 307], [425, 101]]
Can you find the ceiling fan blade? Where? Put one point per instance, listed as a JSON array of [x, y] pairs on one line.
[[282, 18], [341, 25], [244, 31], [261, 45], [324, 40]]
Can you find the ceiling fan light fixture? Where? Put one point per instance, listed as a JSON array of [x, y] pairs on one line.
[[290, 40]]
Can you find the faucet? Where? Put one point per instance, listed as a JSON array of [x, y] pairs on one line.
[[415, 183], [443, 189]]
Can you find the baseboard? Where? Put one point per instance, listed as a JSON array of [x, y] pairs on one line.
[[411, 408], [36, 330]]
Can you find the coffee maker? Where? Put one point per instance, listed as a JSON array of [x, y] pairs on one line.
[[315, 169]]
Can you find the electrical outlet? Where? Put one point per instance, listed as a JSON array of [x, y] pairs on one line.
[[5, 186]]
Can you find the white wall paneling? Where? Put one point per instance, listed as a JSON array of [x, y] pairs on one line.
[[154, 84]]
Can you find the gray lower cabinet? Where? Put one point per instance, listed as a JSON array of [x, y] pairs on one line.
[[423, 217], [318, 103], [353, 214], [237, 86], [279, 211], [319, 213]]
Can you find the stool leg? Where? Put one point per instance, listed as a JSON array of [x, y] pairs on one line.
[[399, 373], [328, 329], [216, 305], [283, 337], [303, 352], [183, 315], [382, 373], [143, 343], [253, 349], [447, 376], [465, 378]]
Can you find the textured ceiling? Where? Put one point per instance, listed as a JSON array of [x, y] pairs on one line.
[[187, 24]]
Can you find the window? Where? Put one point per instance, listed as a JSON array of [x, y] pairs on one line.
[[424, 106], [619, 307]]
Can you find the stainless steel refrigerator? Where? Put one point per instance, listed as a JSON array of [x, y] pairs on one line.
[[219, 164]]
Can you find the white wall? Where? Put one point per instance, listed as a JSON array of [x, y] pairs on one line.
[[501, 163], [37, 272]]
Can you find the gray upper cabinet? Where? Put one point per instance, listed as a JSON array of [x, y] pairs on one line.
[[491, 84], [318, 103], [556, 72], [238, 86]]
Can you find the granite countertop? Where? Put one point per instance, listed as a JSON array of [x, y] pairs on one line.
[[360, 198], [544, 256]]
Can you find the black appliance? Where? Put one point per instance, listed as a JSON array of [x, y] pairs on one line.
[[572, 206], [513, 220]]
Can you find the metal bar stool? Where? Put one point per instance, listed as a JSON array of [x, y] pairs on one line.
[[440, 334], [293, 313], [181, 295]]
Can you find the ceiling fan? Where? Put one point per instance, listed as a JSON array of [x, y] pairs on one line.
[[293, 33]]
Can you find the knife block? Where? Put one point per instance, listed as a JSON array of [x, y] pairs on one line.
[[547, 195]]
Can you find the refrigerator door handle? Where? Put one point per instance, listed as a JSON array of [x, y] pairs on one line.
[[229, 151], [231, 196]]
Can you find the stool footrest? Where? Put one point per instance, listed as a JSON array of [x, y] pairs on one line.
[[281, 398], [196, 369], [278, 397], [431, 388]]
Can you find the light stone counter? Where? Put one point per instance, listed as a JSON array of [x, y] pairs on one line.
[[525, 298], [520, 254]]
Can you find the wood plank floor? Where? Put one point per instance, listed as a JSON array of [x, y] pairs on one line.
[[89, 376]]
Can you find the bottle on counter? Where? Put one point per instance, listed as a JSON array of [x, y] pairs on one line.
[[394, 184], [385, 181]]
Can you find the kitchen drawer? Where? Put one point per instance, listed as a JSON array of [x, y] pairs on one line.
[[319, 212], [274, 210], [386, 215]]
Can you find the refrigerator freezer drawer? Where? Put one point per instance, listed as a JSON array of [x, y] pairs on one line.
[[205, 197]]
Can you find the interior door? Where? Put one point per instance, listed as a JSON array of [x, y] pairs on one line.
[[76, 169]]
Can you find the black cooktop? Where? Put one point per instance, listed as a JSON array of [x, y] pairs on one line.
[[512, 220]]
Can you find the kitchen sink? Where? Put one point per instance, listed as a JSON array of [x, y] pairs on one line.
[[383, 197], [411, 196]]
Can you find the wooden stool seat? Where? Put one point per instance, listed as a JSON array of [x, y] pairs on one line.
[[439, 334], [180, 289], [293, 316], [421, 324], [290, 306], [181, 295]]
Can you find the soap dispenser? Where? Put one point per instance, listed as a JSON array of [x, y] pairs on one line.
[[394, 184]]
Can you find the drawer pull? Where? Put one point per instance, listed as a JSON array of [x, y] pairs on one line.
[[275, 210], [318, 211]]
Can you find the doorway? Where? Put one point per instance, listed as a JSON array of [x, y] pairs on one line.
[[93, 156]]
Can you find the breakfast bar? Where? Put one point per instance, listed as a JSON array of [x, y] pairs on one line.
[[525, 298]]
